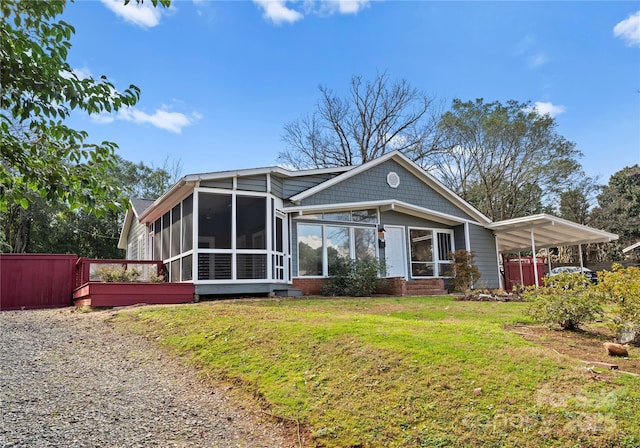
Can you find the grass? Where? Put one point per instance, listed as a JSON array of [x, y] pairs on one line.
[[398, 372]]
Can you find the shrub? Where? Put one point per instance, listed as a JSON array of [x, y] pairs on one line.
[[116, 274], [566, 300], [353, 278], [621, 287], [464, 272]]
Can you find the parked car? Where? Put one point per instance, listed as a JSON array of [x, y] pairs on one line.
[[574, 270]]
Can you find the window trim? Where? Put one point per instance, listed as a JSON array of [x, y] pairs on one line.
[[436, 261], [325, 257]]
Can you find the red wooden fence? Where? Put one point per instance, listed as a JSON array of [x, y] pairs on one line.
[[31, 281]]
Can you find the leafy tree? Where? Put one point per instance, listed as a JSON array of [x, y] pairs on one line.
[[502, 158], [54, 228], [618, 209], [575, 204], [39, 153], [377, 117]]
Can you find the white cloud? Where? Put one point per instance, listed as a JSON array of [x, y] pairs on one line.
[[550, 109], [629, 30], [538, 60], [144, 15], [161, 118], [279, 11], [344, 6], [102, 118]]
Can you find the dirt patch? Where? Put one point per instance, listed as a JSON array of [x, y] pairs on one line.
[[585, 345]]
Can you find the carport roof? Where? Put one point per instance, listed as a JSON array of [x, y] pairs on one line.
[[546, 231]]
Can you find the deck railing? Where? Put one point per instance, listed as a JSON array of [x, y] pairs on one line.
[[87, 268]]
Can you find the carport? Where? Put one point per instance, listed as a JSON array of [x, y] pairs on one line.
[[544, 231]]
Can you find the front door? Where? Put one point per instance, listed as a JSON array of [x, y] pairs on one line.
[[395, 251]]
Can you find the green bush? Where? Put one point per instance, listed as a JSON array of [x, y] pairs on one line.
[[353, 278], [116, 274], [621, 288], [566, 300]]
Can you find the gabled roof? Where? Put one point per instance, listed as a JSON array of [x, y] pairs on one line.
[[138, 207], [410, 166], [544, 231]]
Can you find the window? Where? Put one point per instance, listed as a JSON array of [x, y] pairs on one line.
[[309, 249], [338, 246], [421, 253], [369, 216], [430, 252], [355, 243]]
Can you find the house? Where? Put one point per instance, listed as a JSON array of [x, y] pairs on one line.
[[274, 230]]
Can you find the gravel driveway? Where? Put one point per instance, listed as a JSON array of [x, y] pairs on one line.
[[69, 380]]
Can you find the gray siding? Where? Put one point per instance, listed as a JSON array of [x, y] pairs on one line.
[[295, 185], [277, 187], [483, 243], [253, 183], [371, 185], [226, 184], [136, 230], [458, 237]]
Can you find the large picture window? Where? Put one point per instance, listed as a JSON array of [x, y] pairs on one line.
[[355, 243], [430, 251]]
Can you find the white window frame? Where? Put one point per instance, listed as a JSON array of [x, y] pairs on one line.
[[325, 256], [436, 262]]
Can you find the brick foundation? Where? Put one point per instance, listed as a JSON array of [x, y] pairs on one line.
[[395, 286], [309, 286]]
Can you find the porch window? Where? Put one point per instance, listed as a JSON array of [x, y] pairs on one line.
[[187, 224], [430, 252], [214, 221], [251, 220]]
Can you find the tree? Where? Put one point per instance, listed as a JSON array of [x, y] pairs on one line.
[[502, 158], [618, 209], [53, 228], [377, 117], [576, 203], [39, 153]]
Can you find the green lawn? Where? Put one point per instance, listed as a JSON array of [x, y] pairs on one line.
[[398, 372]]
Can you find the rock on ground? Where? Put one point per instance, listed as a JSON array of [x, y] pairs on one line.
[[68, 379]]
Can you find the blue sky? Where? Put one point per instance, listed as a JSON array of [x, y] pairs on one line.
[[219, 79]]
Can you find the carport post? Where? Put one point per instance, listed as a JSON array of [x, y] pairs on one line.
[[535, 259], [580, 256], [520, 266], [549, 258]]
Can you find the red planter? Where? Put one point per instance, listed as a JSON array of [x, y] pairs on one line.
[[123, 294]]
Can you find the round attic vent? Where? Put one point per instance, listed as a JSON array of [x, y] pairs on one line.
[[393, 180]]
